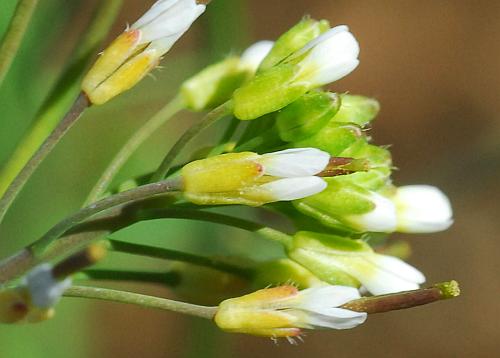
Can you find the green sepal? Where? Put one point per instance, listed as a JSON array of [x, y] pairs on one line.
[[358, 110], [293, 40], [334, 138], [307, 115], [268, 92]]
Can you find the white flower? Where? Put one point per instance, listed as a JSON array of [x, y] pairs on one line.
[[139, 49], [422, 209], [320, 307], [252, 179], [283, 311], [329, 57], [45, 291], [166, 22], [253, 56], [339, 260], [381, 219]]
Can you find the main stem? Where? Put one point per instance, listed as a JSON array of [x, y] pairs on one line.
[[206, 122], [139, 193], [15, 187], [139, 137], [141, 300], [12, 40]]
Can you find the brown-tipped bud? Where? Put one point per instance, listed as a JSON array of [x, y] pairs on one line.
[[79, 261]]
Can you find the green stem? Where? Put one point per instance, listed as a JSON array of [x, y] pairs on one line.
[[15, 187], [139, 137], [129, 196], [169, 278], [64, 93], [14, 35], [141, 300], [167, 254], [206, 122]]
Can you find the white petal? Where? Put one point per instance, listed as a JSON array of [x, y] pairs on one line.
[[168, 19], [381, 219], [332, 56], [422, 209], [336, 318], [381, 276], [328, 296], [45, 291], [253, 56], [297, 162], [294, 188]]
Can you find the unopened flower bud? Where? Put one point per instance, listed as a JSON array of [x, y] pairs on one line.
[[358, 110], [283, 311], [252, 179], [215, 84], [422, 209], [325, 59], [343, 261], [349, 207], [139, 49], [307, 115], [293, 40]]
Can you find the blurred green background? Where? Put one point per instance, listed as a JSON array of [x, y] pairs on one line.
[[434, 67]]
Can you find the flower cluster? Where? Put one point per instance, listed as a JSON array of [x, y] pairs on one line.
[[293, 148]]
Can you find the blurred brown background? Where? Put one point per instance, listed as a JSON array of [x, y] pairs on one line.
[[434, 66]]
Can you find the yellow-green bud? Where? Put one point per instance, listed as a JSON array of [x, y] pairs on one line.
[[346, 206], [293, 40], [307, 115]]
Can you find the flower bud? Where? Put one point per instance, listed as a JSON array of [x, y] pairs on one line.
[[422, 209], [334, 138], [358, 110], [251, 179], [139, 49], [215, 84], [346, 206], [307, 115], [283, 311], [293, 40], [325, 59], [343, 261]]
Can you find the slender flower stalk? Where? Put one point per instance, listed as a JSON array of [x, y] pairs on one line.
[[12, 40], [211, 118], [134, 142], [141, 300], [10, 193], [174, 255]]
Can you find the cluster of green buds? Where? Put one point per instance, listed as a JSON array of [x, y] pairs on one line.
[[297, 150]]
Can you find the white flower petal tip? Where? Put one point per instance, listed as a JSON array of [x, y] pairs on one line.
[[253, 56], [167, 21], [330, 57], [298, 162], [422, 209], [321, 307], [294, 188], [381, 219], [45, 291], [390, 274]]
